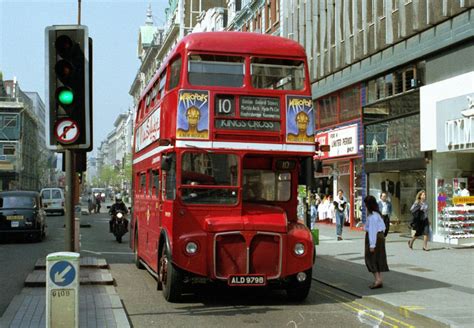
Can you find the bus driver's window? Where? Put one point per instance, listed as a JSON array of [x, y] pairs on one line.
[[253, 191]]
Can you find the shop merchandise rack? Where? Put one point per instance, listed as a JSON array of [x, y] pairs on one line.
[[457, 222]]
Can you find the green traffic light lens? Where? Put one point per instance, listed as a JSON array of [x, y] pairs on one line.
[[65, 97]]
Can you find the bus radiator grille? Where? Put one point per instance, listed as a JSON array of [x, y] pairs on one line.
[[264, 255]]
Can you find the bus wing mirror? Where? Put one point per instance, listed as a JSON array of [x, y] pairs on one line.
[[166, 163], [318, 166], [306, 176]]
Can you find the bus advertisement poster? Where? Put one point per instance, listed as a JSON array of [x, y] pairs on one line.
[[299, 119], [193, 115]]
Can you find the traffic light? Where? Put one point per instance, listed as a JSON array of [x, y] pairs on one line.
[[68, 87]]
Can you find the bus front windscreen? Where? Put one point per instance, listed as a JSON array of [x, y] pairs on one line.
[[209, 178], [277, 74], [215, 70]]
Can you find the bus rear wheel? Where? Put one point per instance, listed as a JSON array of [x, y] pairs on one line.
[[170, 277], [298, 291]]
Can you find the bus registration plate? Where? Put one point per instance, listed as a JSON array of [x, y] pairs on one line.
[[247, 280]]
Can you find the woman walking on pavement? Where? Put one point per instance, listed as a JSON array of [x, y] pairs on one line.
[[375, 255], [420, 223], [340, 205]]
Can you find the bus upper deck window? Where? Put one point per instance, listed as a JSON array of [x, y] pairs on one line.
[[277, 74], [213, 70], [175, 73], [161, 88]]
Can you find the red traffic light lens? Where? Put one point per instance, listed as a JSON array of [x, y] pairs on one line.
[[64, 45]]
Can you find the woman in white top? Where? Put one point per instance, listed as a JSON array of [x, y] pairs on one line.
[[375, 255]]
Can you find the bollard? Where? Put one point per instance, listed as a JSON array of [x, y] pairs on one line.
[[315, 233], [62, 289]]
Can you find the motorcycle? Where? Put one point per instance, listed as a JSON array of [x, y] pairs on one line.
[[119, 225]]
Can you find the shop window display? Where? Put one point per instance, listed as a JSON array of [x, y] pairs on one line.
[[358, 192], [401, 188]]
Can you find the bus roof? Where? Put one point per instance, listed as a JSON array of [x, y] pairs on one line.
[[242, 43], [236, 43]]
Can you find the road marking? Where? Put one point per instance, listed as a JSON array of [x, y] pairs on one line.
[[100, 253], [361, 308], [405, 310], [369, 308]]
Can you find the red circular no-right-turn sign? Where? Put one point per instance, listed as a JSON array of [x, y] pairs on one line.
[[66, 131]]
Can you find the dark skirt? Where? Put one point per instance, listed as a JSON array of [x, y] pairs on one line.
[[422, 228], [377, 261]]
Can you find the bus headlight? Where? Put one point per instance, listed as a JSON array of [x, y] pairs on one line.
[[299, 249], [191, 247]]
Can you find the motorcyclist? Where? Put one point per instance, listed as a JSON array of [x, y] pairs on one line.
[[119, 205]]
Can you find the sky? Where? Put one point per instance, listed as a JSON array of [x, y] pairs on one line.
[[114, 27]]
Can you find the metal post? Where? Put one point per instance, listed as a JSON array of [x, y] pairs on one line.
[[78, 12], [69, 219], [308, 207]]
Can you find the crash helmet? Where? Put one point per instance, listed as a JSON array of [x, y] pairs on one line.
[[118, 198]]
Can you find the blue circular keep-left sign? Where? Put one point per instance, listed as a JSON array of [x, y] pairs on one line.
[[62, 273]]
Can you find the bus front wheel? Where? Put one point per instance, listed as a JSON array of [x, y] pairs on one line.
[[137, 260], [298, 291], [170, 277]]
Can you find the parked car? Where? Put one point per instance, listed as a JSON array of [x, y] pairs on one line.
[[22, 213], [53, 200]]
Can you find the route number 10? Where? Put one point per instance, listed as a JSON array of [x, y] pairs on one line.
[[225, 105]]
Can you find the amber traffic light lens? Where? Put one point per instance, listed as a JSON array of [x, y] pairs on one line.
[[64, 70]]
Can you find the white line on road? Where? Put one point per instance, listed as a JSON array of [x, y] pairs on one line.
[[100, 253]]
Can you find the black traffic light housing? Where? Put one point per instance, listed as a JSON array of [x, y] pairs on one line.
[[69, 78]]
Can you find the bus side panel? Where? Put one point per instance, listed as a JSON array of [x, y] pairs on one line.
[[168, 109]]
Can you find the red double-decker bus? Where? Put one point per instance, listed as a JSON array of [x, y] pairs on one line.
[[223, 133]]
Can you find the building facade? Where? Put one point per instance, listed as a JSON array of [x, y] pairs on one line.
[[20, 144], [115, 151], [369, 61], [47, 158], [154, 44]]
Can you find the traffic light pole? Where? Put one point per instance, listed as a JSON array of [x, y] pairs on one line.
[[70, 187]]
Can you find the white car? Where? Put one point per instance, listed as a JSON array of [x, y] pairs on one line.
[[53, 200]]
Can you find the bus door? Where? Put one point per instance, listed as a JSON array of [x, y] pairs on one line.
[[153, 209], [168, 187]]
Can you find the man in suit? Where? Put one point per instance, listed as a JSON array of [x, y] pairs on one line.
[[385, 208]]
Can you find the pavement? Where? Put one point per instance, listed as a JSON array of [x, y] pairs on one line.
[[99, 303], [436, 285]]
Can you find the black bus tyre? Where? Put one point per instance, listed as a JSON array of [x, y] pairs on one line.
[[296, 291], [137, 261], [170, 277]]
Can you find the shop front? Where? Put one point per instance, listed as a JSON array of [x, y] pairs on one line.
[[342, 170], [394, 163], [453, 159]]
